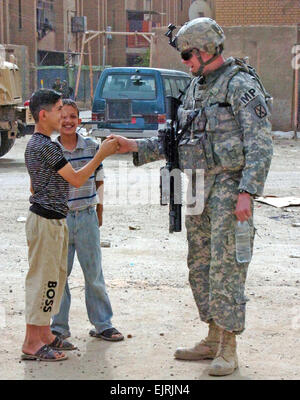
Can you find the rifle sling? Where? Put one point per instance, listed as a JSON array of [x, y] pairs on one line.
[[188, 124]]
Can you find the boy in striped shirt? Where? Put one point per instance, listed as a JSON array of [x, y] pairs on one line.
[[83, 220], [46, 228]]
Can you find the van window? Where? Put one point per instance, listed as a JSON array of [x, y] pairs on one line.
[[174, 84], [168, 89], [129, 86], [182, 83]]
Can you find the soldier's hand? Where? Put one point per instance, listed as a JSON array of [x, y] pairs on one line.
[[109, 147], [125, 145], [243, 207]]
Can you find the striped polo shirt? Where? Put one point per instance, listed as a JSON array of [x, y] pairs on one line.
[[86, 195], [43, 158]]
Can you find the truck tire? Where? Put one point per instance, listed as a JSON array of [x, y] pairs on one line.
[[6, 144]]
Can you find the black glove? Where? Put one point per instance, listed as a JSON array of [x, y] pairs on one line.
[[162, 140]]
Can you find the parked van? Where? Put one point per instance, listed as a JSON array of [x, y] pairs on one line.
[[131, 101]]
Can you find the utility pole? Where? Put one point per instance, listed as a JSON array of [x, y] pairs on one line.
[[99, 38], [1, 24], [7, 22]]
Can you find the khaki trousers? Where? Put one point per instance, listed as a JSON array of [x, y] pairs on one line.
[[47, 241]]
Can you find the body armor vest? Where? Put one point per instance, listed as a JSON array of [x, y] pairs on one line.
[[214, 142]]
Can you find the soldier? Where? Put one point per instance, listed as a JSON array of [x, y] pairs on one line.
[[57, 85], [230, 139]]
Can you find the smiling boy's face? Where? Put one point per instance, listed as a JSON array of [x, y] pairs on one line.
[[69, 120]]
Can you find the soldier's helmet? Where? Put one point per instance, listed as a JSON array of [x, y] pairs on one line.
[[201, 33]]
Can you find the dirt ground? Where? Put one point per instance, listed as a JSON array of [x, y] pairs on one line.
[[147, 281]]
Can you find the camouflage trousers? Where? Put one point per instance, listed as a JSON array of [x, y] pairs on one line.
[[217, 280]]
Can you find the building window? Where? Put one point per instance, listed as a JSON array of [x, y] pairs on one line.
[[20, 14], [147, 5], [45, 17]]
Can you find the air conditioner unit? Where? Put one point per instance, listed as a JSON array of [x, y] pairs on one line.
[[78, 24]]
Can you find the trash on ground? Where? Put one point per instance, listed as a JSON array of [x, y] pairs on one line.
[[279, 201], [105, 243], [296, 224], [277, 217], [134, 228], [21, 219], [295, 256]]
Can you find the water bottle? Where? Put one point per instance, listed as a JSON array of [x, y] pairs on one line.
[[242, 242]]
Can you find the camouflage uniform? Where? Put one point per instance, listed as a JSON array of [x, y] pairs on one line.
[[57, 86], [231, 140]]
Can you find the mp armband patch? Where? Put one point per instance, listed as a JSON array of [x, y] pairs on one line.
[[248, 96]]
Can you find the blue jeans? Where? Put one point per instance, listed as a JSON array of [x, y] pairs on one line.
[[84, 238]]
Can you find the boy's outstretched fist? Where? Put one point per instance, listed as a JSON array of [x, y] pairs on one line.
[[125, 145], [109, 146]]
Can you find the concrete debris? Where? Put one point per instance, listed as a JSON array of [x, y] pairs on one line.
[[105, 243], [21, 219], [134, 228], [279, 201]]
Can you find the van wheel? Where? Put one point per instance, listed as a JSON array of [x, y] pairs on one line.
[[6, 143]]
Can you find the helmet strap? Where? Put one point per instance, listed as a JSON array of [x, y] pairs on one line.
[[204, 64]]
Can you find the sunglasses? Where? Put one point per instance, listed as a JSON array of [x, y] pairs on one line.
[[187, 54]]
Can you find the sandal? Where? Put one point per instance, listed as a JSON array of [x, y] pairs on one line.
[[61, 335], [45, 353], [107, 334], [61, 344]]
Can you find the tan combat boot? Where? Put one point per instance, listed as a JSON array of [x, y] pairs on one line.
[[206, 349], [226, 360]]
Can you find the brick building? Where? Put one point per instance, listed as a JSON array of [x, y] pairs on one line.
[[45, 26], [249, 12], [257, 12], [129, 16]]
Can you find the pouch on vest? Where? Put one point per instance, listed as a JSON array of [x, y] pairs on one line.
[[196, 153], [226, 137], [229, 152]]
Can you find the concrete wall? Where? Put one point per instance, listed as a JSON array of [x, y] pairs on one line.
[[270, 51]]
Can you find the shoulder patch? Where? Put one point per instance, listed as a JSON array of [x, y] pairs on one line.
[[257, 108], [260, 111]]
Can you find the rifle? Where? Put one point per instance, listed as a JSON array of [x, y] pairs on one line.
[[170, 174]]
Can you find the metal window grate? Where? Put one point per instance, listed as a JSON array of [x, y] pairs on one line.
[[118, 110]]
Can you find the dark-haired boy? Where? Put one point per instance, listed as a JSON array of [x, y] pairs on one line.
[[46, 228], [83, 222]]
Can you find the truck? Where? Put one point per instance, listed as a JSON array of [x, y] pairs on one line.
[[14, 117]]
